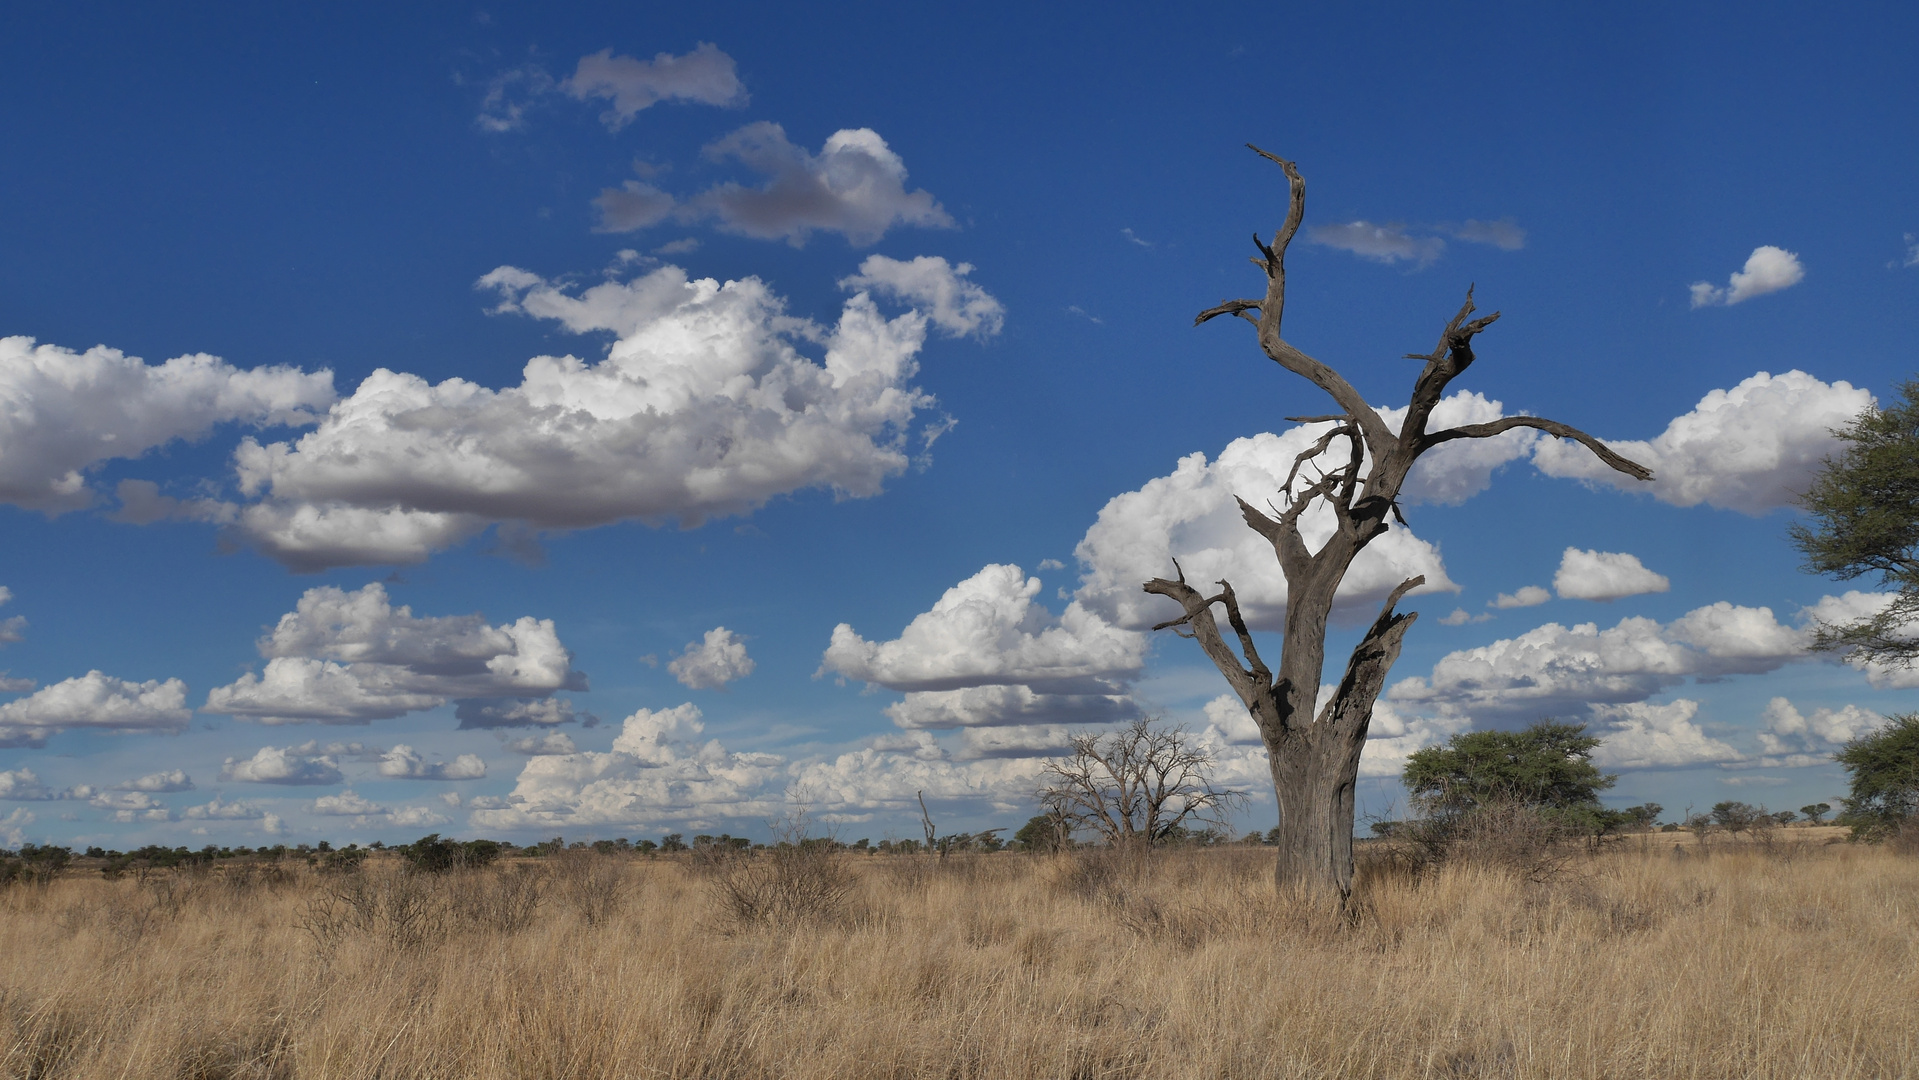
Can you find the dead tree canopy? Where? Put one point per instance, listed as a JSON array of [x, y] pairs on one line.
[[1355, 470], [1141, 785]]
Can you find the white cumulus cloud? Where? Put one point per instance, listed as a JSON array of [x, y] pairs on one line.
[[855, 186], [24, 785], [1191, 515], [348, 803], [283, 765], [1808, 740], [703, 407], [705, 75], [1388, 244], [1768, 269], [218, 809], [1752, 448], [1554, 668], [352, 657], [1604, 575], [96, 701], [1639, 735], [63, 413], [712, 662], [405, 763], [987, 630], [166, 781], [553, 742], [1525, 596]]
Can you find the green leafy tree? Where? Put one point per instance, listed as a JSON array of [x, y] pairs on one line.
[[1737, 817], [1864, 509], [1548, 766], [1816, 811], [1885, 778]]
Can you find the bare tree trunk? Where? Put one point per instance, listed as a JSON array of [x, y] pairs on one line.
[[1314, 753]]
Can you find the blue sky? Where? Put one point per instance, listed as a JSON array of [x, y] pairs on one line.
[[872, 308]]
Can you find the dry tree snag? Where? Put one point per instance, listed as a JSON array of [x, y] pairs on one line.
[[1315, 759]]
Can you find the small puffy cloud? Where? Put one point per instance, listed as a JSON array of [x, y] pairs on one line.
[[170, 780], [1604, 575], [713, 662], [283, 765], [1768, 269], [219, 809], [1807, 740], [1191, 516], [513, 712], [13, 827], [96, 701], [1459, 616], [352, 657], [1525, 596], [1380, 243], [703, 407], [929, 283], [125, 801], [404, 763], [987, 630], [63, 413], [1639, 735], [1504, 234], [553, 742], [1752, 448], [657, 768], [705, 75], [347, 803], [1912, 251], [415, 816], [24, 785], [1554, 668], [855, 186]]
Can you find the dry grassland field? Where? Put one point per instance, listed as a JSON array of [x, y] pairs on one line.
[[1784, 960]]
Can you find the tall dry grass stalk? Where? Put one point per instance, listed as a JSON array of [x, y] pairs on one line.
[[1626, 964]]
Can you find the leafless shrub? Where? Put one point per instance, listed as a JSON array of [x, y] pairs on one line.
[[1520, 839], [592, 884], [792, 883], [409, 911], [504, 902]]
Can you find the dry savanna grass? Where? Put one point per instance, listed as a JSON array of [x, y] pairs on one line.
[[1798, 961]]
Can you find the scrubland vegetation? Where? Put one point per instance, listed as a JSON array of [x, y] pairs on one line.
[[1787, 957]]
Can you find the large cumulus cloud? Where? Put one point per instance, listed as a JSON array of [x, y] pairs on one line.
[[1752, 448], [704, 406], [63, 413], [352, 657]]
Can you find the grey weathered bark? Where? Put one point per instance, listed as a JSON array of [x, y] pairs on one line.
[[1315, 758]]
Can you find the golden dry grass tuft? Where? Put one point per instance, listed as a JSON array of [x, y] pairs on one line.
[[1630, 963]]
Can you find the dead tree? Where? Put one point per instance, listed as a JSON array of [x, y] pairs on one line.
[[1137, 786], [1358, 467]]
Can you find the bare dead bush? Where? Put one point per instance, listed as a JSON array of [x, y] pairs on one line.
[[1519, 839], [592, 884], [790, 884], [408, 911], [504, 902]]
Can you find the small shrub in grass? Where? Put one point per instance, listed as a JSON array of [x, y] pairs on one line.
[[592, 884], [791, 883], [431, 854]]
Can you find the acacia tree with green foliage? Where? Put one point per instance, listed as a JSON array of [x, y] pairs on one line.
[[1864, 509], [1885, 778], [1546, 767]]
